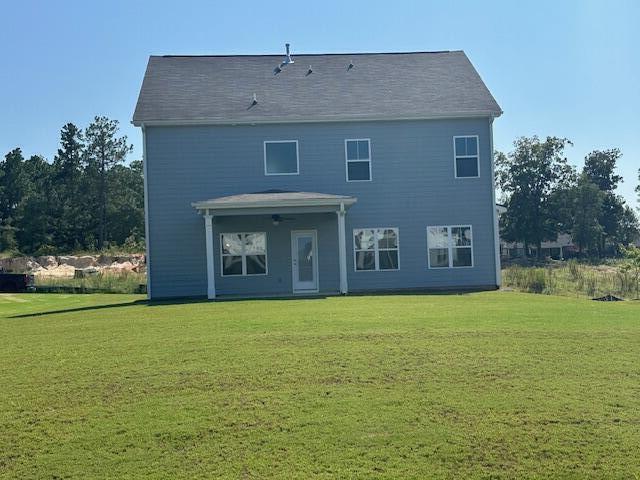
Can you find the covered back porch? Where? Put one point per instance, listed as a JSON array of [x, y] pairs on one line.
[[275, 243]]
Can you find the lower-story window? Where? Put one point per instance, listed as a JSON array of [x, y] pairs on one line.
[[450, 246], [243, 253], [376, 249]]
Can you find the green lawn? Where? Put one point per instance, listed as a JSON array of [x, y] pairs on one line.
[[485, 385]]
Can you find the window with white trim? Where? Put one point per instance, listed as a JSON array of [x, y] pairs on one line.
[[450, 246], [243, 253], [467, 162], [358, 158], [281, 157], [376, 249]]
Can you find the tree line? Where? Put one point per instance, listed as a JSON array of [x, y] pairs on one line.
[[89, 199], [86, 199], [545, 196]]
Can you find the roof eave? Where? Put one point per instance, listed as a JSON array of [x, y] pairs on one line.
[[309, 202], [334, 118]]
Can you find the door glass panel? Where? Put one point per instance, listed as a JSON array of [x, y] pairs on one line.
[[305, 259]]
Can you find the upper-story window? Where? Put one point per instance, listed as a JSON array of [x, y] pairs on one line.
[[466, 156], [358, 157], [281, 157]]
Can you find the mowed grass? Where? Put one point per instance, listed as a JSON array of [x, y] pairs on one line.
[[485, 385]]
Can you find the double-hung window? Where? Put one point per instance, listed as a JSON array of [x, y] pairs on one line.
[[358, 157], [376, 249], [281, 157], [467, 164], [243, 253], [450, 247]]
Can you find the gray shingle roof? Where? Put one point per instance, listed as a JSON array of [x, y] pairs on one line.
[[274, 198], [219, 89]]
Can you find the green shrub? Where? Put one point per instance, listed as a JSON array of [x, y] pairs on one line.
[[591, 284], [573, 278], [533, 280], [105, 282], [551, 282], [8, 241], [631, 267], [575, 269], [536, 280]]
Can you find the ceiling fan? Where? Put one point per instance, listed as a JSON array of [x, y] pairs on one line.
[[277, 219]]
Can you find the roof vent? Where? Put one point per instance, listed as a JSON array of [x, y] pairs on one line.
[[351, 65], [288, 58], [310, 71], [255, 99]]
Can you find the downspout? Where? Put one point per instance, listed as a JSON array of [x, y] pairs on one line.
[[146, 210], [496, 227]]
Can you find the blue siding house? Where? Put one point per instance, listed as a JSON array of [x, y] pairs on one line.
[[273, 175]]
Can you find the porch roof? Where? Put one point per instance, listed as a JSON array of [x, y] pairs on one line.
[[274, 201]]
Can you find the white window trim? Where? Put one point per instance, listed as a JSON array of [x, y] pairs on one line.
[[376, 250], [264, 147], [244, 256], [347, 161], [456, 156], [450, 246]]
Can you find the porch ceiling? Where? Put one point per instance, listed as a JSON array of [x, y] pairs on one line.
[[274, 201]]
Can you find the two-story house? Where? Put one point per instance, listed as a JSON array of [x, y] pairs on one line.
[[267, 175]]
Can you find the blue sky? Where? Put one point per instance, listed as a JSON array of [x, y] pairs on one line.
[[565, 68]]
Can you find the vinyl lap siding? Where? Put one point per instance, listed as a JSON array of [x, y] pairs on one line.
[[412, 186], [279, 279]]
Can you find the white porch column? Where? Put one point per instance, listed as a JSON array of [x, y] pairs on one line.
[[342, 249], [211, 276]]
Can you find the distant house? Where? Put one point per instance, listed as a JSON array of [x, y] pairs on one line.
[[560, 248], [271, 175]]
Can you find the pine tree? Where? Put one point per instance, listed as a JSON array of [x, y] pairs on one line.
[[13, 184], [36, 210], [125, 213], [103, 151], [72, 219]]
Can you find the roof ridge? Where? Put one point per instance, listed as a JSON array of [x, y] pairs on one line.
[[308, 54], [239, 89]]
